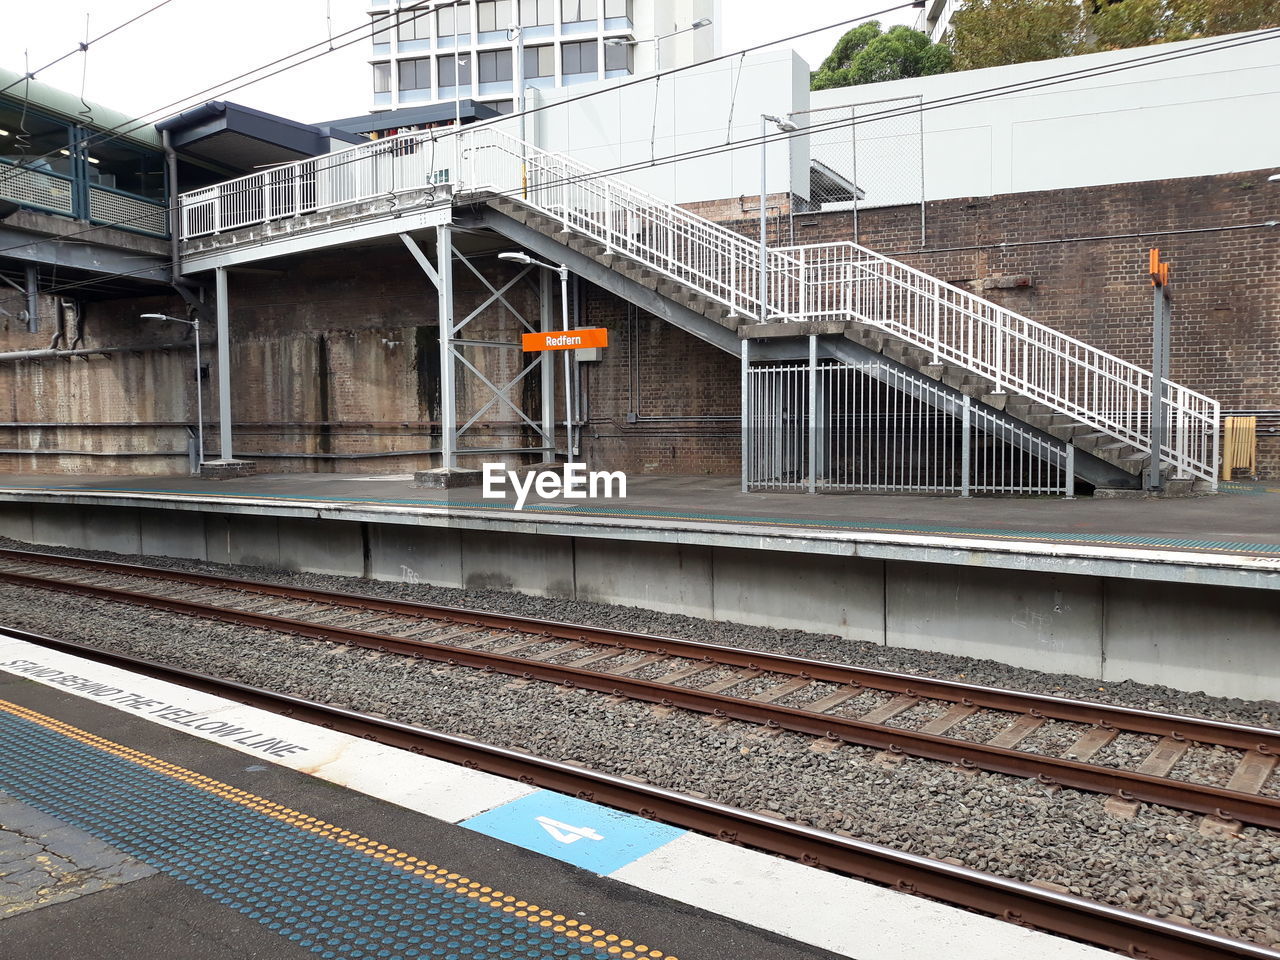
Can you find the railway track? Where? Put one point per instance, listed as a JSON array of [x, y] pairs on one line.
[[780, 692], [1131, 934]]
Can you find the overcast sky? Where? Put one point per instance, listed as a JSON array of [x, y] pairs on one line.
[[189, 45]]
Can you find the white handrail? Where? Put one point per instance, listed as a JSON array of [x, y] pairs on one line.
[[846, 280], [828, 281]]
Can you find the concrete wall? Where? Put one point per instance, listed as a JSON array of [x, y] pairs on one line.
[[707, 106], [1217, 639], [335, 357], [1194, 116]]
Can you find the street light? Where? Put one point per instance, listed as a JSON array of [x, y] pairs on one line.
[[195, 327], [563, 271], [657, 41], [785, 126]]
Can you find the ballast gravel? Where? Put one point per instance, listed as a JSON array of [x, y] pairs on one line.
[[1156, 863]]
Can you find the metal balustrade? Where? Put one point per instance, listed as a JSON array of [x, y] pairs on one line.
[[35, 188], [848, 281], [118, 209], [839, 281], [871, 427]]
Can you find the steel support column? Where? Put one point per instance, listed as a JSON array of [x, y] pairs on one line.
[[451, 356], [746, 415], [33, 298], [448, 404], [812, 411], [547, 324], [224, 366], [1159, 374]]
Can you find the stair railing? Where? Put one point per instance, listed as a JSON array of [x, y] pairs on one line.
[[849, 281], [668, 239], [839, 281]]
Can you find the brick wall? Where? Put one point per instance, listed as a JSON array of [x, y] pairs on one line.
[[661, 401]]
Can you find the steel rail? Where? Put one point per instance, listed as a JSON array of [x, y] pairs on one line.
[[1109, 716], [1049, 771], [1130, 933]]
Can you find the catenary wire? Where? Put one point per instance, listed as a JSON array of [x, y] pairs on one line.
[[697, 153], [140, 120], [84, 47]]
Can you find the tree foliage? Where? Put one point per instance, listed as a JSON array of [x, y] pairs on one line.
[[1136, 23], [993, 33], [867, 55]]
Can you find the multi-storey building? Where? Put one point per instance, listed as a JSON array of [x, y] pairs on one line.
[[480, 49], [935, 17]]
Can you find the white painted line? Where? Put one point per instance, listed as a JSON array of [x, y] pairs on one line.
[[845, 916], [857, 919], [422, 784]]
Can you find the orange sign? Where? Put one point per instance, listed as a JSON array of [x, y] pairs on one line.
[[1157, 268], [566, 340]]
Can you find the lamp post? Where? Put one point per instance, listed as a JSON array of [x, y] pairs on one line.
[[563, 272], [657, 41], [786, 126], [195, 327]]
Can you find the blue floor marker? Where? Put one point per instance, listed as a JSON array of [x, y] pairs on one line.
[[575, 831]]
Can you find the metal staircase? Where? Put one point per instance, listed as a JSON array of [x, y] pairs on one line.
[[1059, 386], [1053, 382]]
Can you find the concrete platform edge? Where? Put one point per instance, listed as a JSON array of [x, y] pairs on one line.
[[752, 887]]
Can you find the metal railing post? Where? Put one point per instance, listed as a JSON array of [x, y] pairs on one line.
[[1217, 445], [937, 326], [966, 441], [746, 413], [1070, 468], [813, 415]]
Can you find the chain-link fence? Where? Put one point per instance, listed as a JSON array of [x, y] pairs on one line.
[[864, 155]]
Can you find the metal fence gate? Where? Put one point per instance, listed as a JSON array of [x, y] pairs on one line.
[[870, 427]]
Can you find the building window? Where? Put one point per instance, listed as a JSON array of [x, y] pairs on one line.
[[493, 15], [620, 57], [446, 67], [382, 78], [539, 62], [537, 13], [382, 31], [495, 66], [415, 74], [414, 25], [453, 20], [576, 11], [614, 9], [579, 57]]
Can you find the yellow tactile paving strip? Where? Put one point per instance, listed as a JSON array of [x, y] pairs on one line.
[[580, 930]]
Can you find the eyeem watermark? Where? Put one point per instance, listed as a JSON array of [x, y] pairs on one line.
[[573, 482]]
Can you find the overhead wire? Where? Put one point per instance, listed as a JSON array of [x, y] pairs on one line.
[[126, 127], [372, 28], [84, 46], [698, 153]]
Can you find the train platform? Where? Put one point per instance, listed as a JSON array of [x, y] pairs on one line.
[[1178, 592], [1236, 527], [139, 818]]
